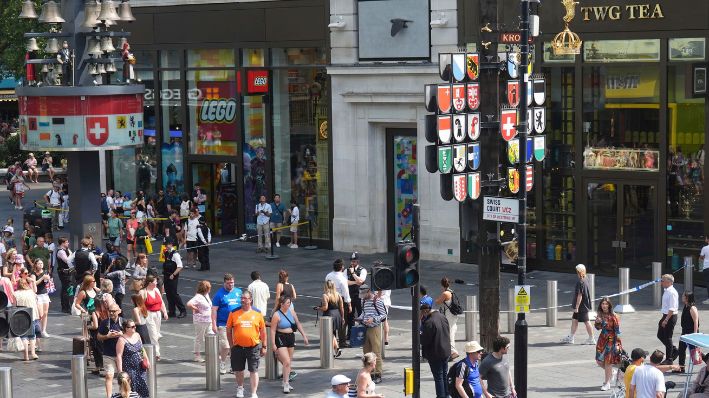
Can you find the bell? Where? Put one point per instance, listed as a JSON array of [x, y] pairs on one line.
[[111, 68], [93, 47], [52, 46], [32, 44], [45, 68], [51, 13], [107, 45], [93, 69], [101, 69], [91, 11], [28, 11], [125, 12], [108, 11]]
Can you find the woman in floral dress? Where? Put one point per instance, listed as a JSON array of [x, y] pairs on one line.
[[609, 346], [129, 355]]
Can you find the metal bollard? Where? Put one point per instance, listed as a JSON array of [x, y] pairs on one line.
[[79, 386], [591, 279], [271, 362], [211, 352], [471, 316], [623, 305], [552, 300], [383, 338], [152, 372], [5, 382], [688, 273], [656, 288], [511, 315], [327, 360]]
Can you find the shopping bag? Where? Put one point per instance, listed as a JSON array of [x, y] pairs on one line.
[[148, 245], [163, 249], [51, 287], [357, 336]]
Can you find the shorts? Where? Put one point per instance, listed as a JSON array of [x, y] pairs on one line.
[[109, 365], [34, 331], [20, 194], [130, 241], [223, 341], [115, 241], [240, 356], [581, 316], [294, 227], [192, 246], [285, 340], [43, 298]]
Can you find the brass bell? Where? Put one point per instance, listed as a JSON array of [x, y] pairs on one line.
[[125, 12], [32, 44], [93, 47], [51, 13], [93, 69], [108, 11], [91, 11], [111, 68], [101, 69], [28, 11], [45, 68], [52, 46], [107, 44]]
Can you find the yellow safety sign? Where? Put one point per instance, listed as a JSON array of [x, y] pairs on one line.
[[522, 299]]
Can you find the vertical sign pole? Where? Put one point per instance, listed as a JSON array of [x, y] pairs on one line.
[[415, 321]]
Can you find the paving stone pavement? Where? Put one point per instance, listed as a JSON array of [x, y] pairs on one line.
[[554, 370]]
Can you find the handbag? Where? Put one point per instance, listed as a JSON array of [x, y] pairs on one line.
[[144, 363], [51, 287], [16, 345], [148, 245], [696, 354]]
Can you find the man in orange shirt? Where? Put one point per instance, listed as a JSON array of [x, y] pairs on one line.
[[246, 331]]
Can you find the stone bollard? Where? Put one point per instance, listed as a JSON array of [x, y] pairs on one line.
[[552, 302], [211, 353], [327, 360], [471, 317]]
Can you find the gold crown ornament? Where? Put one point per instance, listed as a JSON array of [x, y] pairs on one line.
[[567, 42]]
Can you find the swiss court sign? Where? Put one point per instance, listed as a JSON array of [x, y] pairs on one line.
[[501, 209]]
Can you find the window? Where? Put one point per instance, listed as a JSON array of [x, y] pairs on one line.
[[212, 112], [172, 138]]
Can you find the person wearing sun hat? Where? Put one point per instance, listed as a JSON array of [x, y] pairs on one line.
[[340, 385], [467, 382]]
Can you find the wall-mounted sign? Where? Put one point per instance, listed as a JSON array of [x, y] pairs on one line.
[[500, 209], [622, 50], [699, 82], [687, 49], [622, 12], [624, 159], [257, 81]]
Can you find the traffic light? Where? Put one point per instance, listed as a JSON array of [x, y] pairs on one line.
[[405, 264], [383, 277]]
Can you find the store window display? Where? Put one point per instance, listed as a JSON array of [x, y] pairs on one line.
[[212, 112]]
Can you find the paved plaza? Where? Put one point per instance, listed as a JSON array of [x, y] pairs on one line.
[[555, 370]]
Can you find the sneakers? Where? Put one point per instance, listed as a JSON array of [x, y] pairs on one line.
[[198, 359], [293, 246], [338, 353], [569, 339], [286, 389], [239, 392], [278, 244], [44, 335], [253, 395], [705, 301], [588, 341], [606, 387], [222, 370]]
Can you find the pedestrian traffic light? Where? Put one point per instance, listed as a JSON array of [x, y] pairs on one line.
[[383, 277], [406, 265]]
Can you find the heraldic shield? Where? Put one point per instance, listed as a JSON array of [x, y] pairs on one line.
[[540, 91], [530, 150], [444, 128], [540, 147], [529, 178], [473, 156], [459, 97], [460, 187], [513, 93], [474, 185], [444, 66], [459, 157], [473, 94], [512, 65], [508, 123], [459, 127], [473, 66], [529, 95], [473, 120], [513, 179], [445, 159], [459, 67], [444, 98], [530, 116], [540, 120], [513, 151]]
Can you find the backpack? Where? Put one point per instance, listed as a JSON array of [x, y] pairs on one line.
[[452, 375], [82, 263], [455, 308]]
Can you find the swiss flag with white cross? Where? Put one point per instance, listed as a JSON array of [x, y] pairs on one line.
[[97, 130]]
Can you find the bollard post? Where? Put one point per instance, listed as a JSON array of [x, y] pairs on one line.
[[327, 360], [471, 303], [511, 315], [211, 352], [272, 255], [383, 338], [552, 300], [656, 288], [271, 361], [79, 387], [152, 372], [310, 246], [5, 382], [688, 273], [591, 279], [623, 305]]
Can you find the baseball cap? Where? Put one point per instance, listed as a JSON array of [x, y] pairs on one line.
[[354, 256], [638, 353], [339, 379], [363, 287], [7, 229], [473, 346]]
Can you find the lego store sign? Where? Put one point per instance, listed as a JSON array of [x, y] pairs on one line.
[[257, 81], [622, 12]]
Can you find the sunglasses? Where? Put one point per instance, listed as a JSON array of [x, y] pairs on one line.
[[130, 327]]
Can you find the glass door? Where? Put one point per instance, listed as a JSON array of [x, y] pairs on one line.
[[218, 182], [602, 204]]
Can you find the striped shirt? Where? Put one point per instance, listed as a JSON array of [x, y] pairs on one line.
[[372, 308]]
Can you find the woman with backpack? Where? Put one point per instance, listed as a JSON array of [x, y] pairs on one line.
[[446, 301]]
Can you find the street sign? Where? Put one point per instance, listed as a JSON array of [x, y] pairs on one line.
[[512, 38], [501, 209], [522, 299]]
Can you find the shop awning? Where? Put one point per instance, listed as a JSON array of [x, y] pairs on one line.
[[7, 89]]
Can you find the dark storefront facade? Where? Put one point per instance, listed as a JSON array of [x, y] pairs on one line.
[[622, 184], [236, 100]]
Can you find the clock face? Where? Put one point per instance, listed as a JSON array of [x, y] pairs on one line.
[[394, 29], [322, 130]]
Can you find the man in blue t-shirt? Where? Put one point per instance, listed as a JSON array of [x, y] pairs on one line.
[[225, 301], [277, 211], [467, 383]]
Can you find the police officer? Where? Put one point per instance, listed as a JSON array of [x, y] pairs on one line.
[[356, 275], [171, 269]]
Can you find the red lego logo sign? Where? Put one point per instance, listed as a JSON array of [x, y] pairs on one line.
[[97, 130], [257, 81]]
